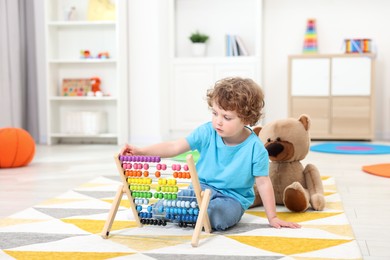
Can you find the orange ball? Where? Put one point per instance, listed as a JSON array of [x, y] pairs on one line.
[[17, 147], [157, 174]]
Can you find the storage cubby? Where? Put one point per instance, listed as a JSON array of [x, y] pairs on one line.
[[337, 92]]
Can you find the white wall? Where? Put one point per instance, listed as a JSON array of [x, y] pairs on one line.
[[148, 71], [284, 29]]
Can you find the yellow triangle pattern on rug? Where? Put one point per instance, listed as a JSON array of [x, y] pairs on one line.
[[288, 246], [147, 243], [69, 227], [15, 221], [341, 230], [96, 226]]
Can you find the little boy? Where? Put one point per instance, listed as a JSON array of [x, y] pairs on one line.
[[232, 157]]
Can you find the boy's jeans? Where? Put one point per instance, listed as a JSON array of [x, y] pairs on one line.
[[224, 211]]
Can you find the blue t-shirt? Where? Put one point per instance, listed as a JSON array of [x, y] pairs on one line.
[[229, 169]]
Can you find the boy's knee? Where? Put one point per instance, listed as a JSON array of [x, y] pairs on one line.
[[220, 221]]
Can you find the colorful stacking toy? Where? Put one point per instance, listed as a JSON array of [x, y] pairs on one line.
[[310, 43]]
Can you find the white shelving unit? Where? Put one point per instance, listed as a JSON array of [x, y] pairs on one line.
[[192, 76], [65, 39]]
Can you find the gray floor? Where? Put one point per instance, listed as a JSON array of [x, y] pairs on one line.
[[56, 169]]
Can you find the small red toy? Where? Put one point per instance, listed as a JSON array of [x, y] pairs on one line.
[[85, 54], [95, 83]]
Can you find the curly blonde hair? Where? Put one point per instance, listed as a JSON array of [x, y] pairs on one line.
[[241, 95]]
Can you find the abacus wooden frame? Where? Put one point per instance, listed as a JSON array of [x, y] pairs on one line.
[[203, 199]]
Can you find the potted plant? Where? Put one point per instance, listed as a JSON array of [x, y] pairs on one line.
[[198, 43]]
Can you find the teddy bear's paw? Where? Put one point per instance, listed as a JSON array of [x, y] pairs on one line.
[[318, 201], [295, 198]]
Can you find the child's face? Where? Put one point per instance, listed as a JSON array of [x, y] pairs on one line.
[[226, 123]]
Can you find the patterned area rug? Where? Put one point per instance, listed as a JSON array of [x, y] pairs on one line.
[[69, 227]]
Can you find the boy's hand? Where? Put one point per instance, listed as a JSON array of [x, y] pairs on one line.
[[278, 223], [127, 150]]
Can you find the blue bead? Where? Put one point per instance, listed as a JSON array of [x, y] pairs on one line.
[[161, 209]]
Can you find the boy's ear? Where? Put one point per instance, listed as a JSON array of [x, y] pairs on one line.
[[257, 129]]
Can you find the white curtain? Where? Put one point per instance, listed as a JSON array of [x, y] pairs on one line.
[[18, 79]]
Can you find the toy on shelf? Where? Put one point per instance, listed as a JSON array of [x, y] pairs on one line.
[[71, 14], [86, 54], [157, 199], [95, 83], [357, 45], [76, 87], [82, 87], [103, 55], [310, 43]]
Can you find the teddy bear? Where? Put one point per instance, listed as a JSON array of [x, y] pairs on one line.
[[295, 186]]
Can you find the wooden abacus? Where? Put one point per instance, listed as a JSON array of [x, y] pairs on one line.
[[130, 169]]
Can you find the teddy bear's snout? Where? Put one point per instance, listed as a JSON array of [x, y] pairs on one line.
[[274, 149]]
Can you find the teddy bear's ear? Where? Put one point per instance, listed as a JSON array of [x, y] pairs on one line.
[[257, 129], [305, 120]]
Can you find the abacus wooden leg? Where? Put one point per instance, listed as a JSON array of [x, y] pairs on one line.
[[203, 202], [112, 213], [126, 190], [202, 218], [123, 189]]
